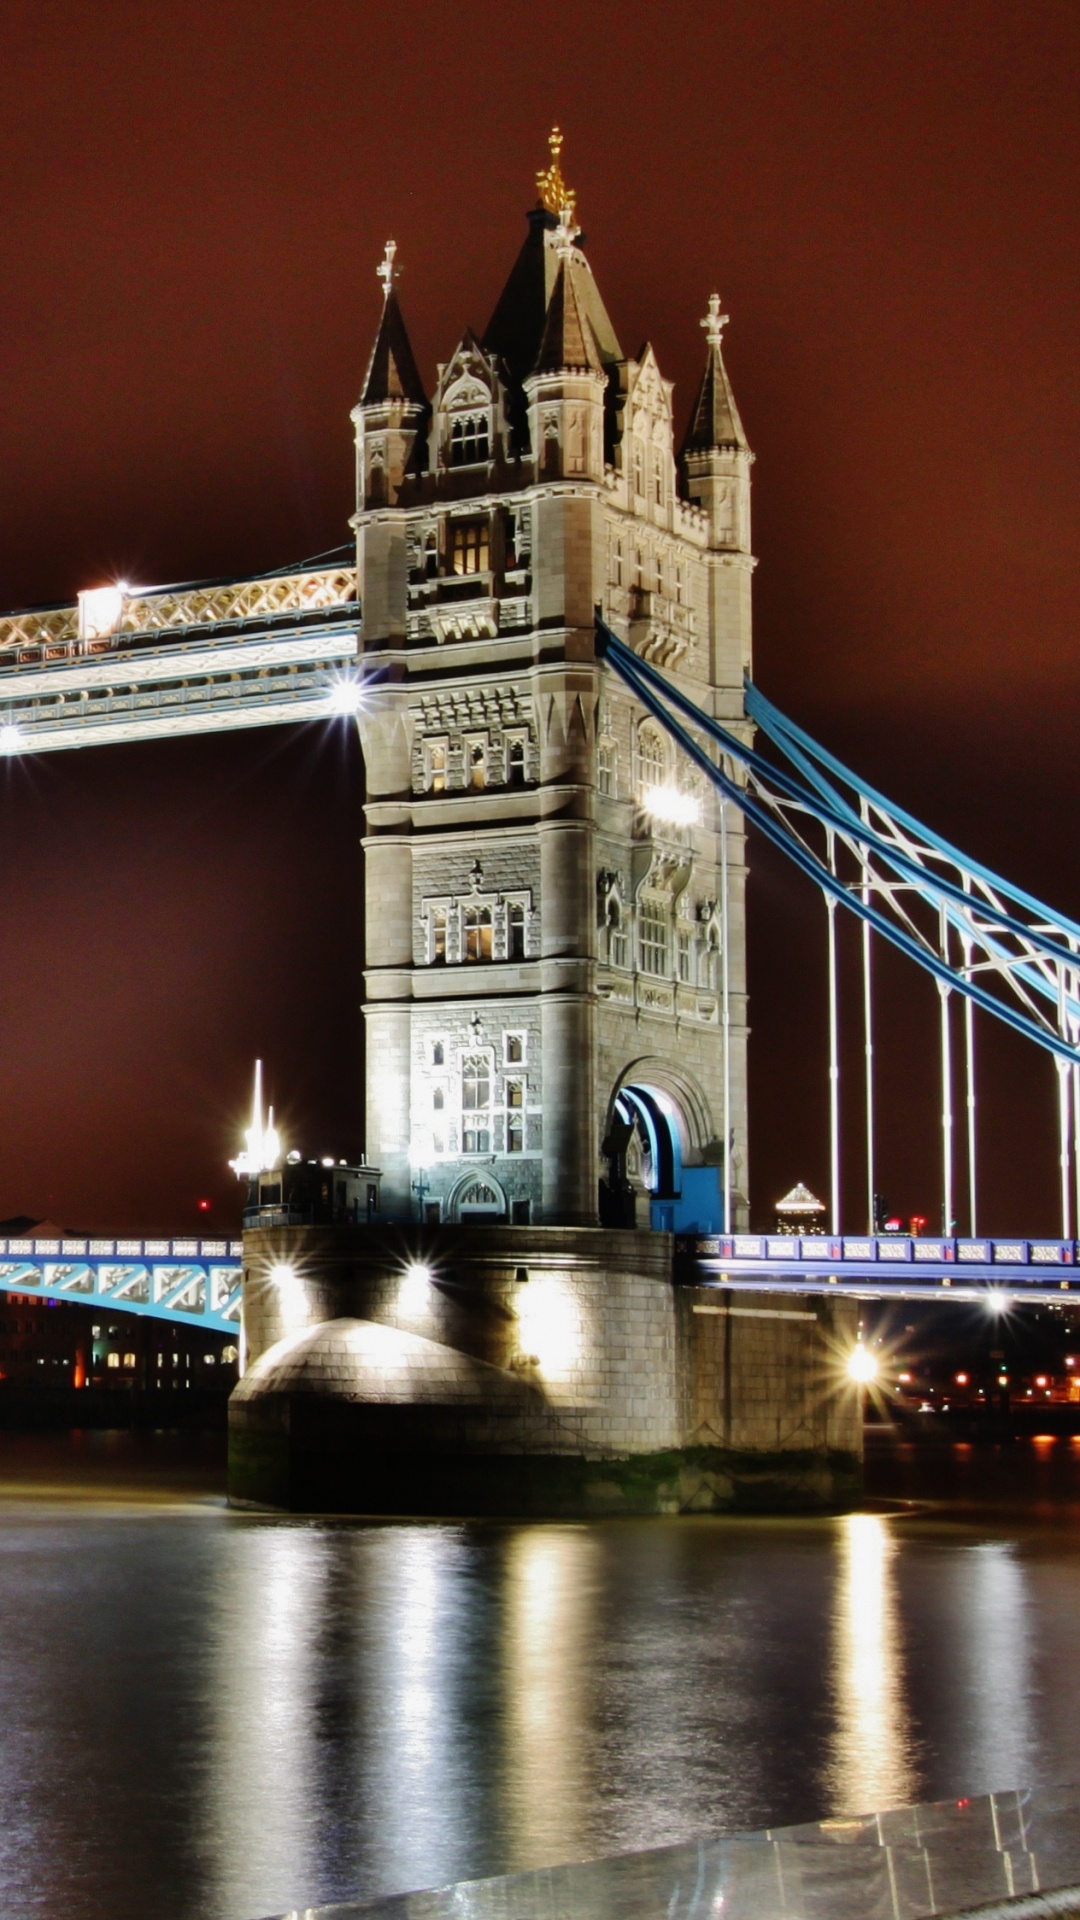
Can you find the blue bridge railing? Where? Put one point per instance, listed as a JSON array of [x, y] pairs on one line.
[[879, 1265], [195, 1282]]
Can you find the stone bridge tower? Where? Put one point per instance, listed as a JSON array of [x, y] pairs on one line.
[[545, 920], [548, 947]]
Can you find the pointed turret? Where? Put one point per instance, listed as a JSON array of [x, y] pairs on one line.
[[566, 387], [393, 405], [568, 340], [714, 424], [715, 456]]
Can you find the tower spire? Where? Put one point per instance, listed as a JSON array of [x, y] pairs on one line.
[[392, 372], [714, 422]]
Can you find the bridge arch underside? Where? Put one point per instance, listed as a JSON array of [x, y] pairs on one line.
[[661, 1151]]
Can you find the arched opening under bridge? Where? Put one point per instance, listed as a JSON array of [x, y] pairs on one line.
[[662, 1157]]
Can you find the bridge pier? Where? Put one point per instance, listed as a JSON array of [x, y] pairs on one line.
[[530, 1371]]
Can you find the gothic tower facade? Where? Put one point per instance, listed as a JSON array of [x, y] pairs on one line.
[[555, 993]]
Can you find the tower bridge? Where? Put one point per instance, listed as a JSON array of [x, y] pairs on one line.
[[544, 632]]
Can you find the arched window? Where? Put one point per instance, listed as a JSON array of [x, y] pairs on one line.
[[639, 468], [616, 933], [476, 1103], [437, 946], [515, 926], [606, 763], [477, 930], [653, 937], [652, 759], [437, 1054], [477, 765], [438, 1100], [469, 440], [515, 1116], [515, 764]]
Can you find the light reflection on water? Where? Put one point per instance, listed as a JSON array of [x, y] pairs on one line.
[[872, 1761], [217, 1716]]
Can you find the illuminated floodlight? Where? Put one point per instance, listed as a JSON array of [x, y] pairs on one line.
[[996, 1300], [414, 1291], [345, 696], [101, 609], [861, 1365], [262, 1144], [283, 1273], [671, 804], [11, 738]]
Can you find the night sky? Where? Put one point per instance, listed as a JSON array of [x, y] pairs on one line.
[[193, 202]]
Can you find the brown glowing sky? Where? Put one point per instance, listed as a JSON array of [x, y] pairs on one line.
[[193, 201]]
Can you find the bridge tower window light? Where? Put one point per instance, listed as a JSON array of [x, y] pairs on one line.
[[476, 1103], [653, 937], [469, 547]]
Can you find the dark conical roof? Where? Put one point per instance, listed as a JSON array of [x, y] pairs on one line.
[[568, 339], [392, 373], [715, 423], [516, 328]]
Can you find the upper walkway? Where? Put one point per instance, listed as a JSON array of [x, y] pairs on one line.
[[142, 663]]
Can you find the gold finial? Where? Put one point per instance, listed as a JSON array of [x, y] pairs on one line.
[[386, 270], [555, 195]]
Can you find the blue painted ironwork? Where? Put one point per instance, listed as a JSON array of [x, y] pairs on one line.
[[883, 1266], [1037, 957], [188, 1282]]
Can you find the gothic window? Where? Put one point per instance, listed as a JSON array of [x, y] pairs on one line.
[[516, 931], [515, 1116], [682, 955], [639, 571], [658, 480], [469, 440], [438, 1054], [477, 753], [606, 762], [437, 951], [639, 468], [431, 556], [436, 766], [476, 1103], [652, 759], [616, 933], [477, 929], [470, 546], [510, 535], [515, 1048], [617, 565], [515, 763], [659, 573], [678, 585], [438, 1100], [653, 937]]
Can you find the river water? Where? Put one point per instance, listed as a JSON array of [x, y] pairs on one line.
[[215, 1715]]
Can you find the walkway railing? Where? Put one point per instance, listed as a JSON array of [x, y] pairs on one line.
[[194, 1282]]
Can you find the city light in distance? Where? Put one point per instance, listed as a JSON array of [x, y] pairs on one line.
[[961, 1379], [672, 805], [861, 1365]]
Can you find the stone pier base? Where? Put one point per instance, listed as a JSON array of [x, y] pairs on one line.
[[530, 1371]]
